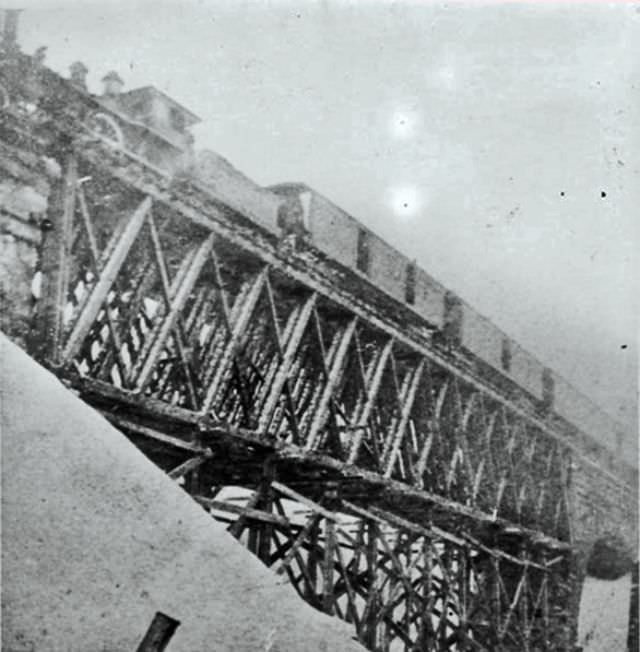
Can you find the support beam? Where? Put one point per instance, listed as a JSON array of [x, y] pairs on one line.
[[190, 465], [246, 513], [328, 598], [55, 263], [303, 500], [238, 527], [311, 523], [152, 433]]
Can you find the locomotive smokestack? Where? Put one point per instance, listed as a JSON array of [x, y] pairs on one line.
[[10, 28]]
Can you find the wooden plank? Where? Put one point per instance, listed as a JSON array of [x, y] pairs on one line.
[[313, 506], [191, 464], [497, 553], [147, 405], [434, 532], [159, 634], [151, 433]]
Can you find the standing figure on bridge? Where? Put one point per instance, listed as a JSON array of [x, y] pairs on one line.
[[291, 223]]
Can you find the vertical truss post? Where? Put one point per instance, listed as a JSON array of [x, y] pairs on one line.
[[496, 603], [410, 596], [55, 265], [313, 560], [634, 608], [370, 636], [327, 566], [463, 592], [330, 544], [567, 590], [425, 636], [544, 602], [252, 540], [266, 504], [192, 476]]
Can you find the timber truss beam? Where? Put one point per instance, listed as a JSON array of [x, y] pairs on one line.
[[198, 314]]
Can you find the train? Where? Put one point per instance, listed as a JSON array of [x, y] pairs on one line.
[[149, 125], [323, 225]]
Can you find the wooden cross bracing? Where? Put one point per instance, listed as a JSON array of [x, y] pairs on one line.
[[403, 586], [217, 332]]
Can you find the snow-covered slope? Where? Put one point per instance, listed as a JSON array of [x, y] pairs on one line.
[[96, 540]]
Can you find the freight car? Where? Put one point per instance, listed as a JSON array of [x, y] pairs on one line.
[[346, 240], [151, 126]]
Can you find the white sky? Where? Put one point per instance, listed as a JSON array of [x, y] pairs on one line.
[[450, 129]]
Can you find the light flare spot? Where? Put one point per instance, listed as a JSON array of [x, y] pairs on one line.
[[405, 201], [404, 122]]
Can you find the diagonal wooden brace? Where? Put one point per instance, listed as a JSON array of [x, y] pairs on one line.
[[122, 242], [238, 330], [178, 301], [335, 371]]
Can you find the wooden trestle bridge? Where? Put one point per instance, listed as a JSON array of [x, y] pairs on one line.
[[394, 483]]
